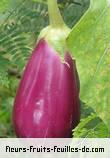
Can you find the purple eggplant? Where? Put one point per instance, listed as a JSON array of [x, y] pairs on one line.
[[47, 100]]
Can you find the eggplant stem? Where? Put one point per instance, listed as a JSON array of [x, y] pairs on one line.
[[55, 17]]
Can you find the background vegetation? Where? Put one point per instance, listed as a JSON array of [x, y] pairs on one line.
[[20, 24]]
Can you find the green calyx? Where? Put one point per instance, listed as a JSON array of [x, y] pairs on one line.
[[56, 37], [57, 32]]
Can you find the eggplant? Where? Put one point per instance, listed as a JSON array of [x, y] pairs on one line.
[[47, 99]]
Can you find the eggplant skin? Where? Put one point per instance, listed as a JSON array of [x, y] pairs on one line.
[[47, 100]]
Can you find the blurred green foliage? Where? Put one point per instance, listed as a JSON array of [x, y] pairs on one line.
[[91, 48]]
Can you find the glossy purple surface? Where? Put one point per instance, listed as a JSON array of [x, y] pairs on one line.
[[47, 100]]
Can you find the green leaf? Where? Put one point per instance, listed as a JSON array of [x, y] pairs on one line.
[[89, 41], [91, 127]]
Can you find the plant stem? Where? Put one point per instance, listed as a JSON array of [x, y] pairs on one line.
[[55, 17]]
